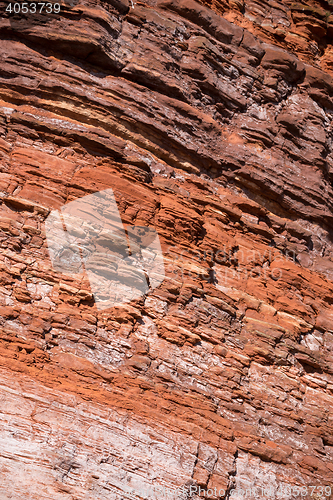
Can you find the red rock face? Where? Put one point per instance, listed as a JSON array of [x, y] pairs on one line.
[[218, 134]]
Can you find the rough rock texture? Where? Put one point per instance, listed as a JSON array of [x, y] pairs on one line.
[[302, 27], [219, 138]]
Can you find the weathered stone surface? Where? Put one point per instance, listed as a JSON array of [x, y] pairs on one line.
[[212, 122]]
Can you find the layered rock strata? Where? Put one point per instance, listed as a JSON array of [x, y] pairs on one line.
[[208, 131]]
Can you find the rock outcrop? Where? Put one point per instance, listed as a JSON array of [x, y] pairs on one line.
[[212, 123]]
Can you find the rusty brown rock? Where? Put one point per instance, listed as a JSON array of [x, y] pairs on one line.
[[211, 122]]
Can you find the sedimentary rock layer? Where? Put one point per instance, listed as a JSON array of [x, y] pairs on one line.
[[220, 138]]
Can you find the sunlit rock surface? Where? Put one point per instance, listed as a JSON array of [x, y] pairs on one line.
[[211, 123]]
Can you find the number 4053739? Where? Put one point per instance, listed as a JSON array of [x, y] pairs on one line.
[[32, 8]]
